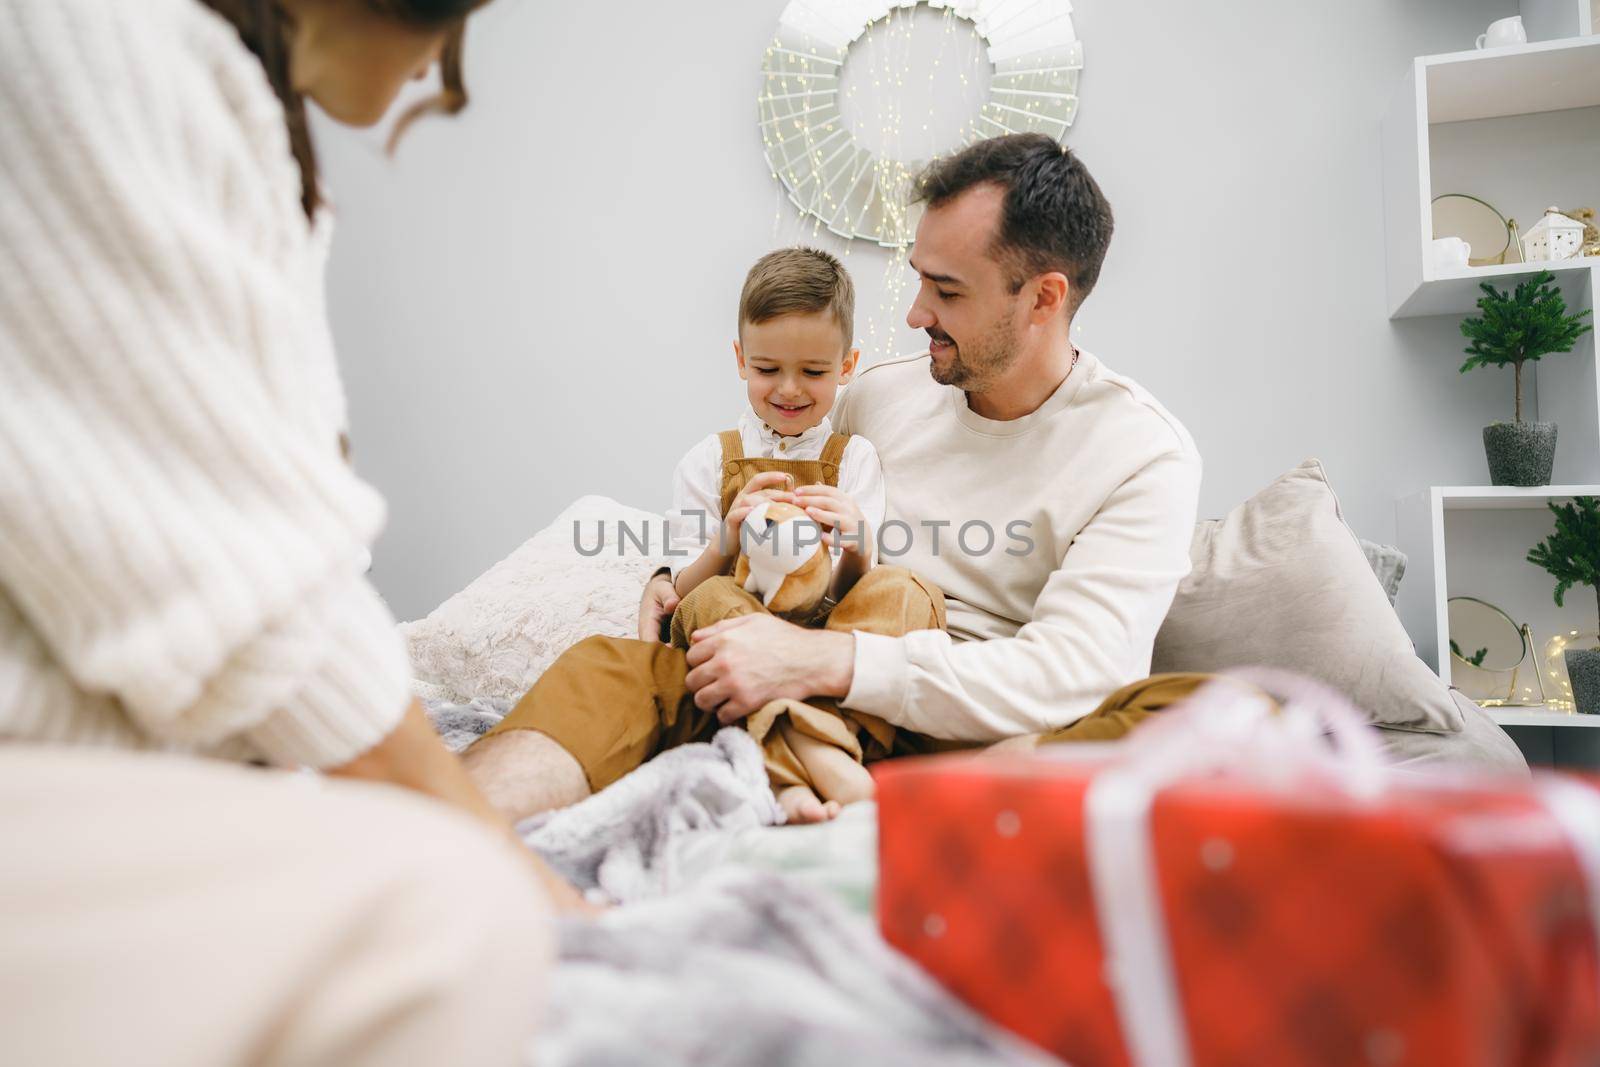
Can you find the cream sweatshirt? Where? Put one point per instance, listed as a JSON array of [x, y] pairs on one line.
[[180, 540], [1090, 504]]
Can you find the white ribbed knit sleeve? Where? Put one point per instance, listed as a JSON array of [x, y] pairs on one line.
[[176, 523]]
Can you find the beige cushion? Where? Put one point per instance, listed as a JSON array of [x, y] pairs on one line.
[[1282, 582], [1481, 744], [578, 576]]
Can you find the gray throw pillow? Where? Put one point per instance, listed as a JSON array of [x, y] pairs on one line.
[[1388, 563], [1283, 582]]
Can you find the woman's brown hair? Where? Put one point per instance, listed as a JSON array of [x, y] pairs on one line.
[[265, 31]]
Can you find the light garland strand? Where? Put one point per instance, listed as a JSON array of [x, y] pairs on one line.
[[1555, 666], [844, 192]]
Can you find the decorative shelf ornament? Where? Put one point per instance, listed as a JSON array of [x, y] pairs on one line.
[[1555, 236], [1034, 58]]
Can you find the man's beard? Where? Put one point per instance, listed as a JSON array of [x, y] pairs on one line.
[[975, 366]]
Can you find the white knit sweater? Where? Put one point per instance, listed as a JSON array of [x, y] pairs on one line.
[[179, 536], [1058, 538]]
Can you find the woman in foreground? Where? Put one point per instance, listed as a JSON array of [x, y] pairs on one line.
[[181, 586]]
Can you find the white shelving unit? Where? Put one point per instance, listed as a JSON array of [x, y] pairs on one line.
[[1422, 525], [1479, 87], [1525, 79], [1541, 717], [1547, 20], [1520, 128]]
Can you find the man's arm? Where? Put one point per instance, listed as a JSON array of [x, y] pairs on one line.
[[1091, 632]]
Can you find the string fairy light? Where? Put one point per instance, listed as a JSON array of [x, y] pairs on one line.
[[1555, 666], [1018, 71]]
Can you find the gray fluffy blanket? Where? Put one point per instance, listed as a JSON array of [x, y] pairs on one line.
[[619, 844], [736, 966], [752, 968]]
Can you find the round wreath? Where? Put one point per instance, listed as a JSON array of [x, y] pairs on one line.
[[1034, 57]]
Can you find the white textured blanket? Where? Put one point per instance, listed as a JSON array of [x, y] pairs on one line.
[[622, 843], [713, 960], [752, 968]]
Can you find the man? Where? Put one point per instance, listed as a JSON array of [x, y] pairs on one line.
[[1050, 499]]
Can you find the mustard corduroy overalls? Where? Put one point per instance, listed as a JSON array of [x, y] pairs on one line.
[[879, 606]]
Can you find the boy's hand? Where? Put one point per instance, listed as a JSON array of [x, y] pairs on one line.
[[763, 486], [838, 515], [656, 605]]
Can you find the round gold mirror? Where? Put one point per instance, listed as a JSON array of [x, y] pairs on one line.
[[1491, 657], [1483, 636], [1475, 222]]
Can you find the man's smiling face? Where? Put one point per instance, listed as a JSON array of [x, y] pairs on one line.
[[964, 300]]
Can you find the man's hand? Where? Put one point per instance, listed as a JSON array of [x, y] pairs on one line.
[[740, 664], [658, 603], [836, 512]]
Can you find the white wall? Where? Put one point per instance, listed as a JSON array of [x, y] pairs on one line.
[[534, 301]]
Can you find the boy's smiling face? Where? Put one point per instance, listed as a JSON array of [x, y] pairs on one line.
[[793, 366]]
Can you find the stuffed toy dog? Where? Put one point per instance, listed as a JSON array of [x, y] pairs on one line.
[[783, 561]]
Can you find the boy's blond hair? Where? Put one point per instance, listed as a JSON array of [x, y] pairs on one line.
[[799, 281]]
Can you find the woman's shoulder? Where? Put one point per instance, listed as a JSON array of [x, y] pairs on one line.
[[153, 62], [162, 94], [110, 38]]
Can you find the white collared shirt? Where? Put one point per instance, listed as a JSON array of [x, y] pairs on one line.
[[697, 482]]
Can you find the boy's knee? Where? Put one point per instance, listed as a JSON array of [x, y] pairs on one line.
[[920, 602], [716, 587], [887, 574], [717, 598]]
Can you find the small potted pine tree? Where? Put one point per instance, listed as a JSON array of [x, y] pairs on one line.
[[1512, 329], [1572, 556]]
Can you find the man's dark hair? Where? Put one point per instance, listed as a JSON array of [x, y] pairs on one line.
[[1054, 217]]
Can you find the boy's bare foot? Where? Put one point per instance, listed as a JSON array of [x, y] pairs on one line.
[[801, 805], [832, 770]]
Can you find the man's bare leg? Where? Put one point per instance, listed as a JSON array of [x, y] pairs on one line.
[[525, 772]]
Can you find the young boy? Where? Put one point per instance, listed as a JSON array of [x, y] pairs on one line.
[[794, 352]]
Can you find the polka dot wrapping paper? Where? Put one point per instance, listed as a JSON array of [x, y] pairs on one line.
[[1444, 923]]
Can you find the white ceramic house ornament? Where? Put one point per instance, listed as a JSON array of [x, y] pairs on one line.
[[1553, 237]]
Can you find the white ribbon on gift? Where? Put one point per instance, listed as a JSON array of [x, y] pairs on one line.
[[1223, 728], [1319, 740]]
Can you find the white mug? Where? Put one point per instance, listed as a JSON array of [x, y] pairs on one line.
[[1450, 253], [1507, 31]]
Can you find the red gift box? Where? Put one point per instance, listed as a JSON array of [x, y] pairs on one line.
[[1234, 922]]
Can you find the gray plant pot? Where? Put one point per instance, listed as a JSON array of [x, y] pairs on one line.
[[1520, 453], [1583, 667]]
